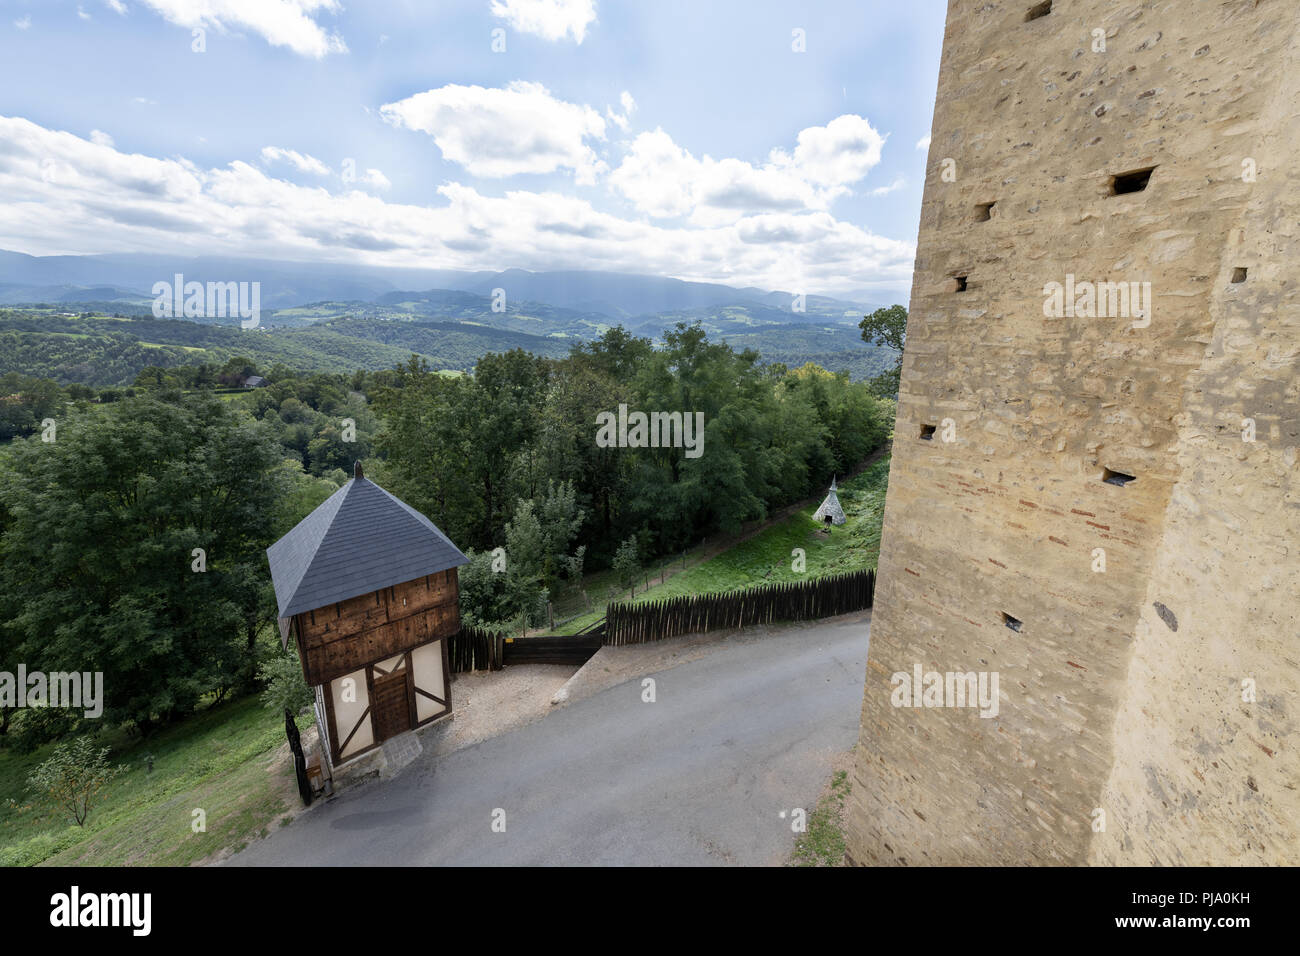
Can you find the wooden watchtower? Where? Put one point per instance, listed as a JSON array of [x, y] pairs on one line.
[[368, 587]]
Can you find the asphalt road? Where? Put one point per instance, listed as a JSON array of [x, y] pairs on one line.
[[707, 774]]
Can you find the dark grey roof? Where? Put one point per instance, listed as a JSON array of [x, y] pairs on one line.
[[359, 540]]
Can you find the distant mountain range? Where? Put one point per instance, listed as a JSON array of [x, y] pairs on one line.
[[129, 278], [327, 316]]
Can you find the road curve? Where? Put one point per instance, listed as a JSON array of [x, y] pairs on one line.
[[707, 774]]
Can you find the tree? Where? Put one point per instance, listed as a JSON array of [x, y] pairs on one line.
[[425, 441], [626, 562], [72, 776], [484, 597], [286, 688], [134, 545], [886, 327], [560, 518]]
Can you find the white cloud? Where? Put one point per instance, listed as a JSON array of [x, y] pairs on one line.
[[117, 6], [66, 195], [286, 23], [923, 142], [504, 132], [81, 13], [100, 138], [23, 23], [621, 119], [834, 155], [549, 19], [375, 178], [896, 185], [664, 180], [301, 161]]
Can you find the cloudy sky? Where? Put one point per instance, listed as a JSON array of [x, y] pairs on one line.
[[690, 138]]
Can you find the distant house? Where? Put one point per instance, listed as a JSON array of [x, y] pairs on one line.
[[254, 381], [368, 587], [830, 511]]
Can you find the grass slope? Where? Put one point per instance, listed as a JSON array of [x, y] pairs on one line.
[[216, 761], [763, 559], [767, 557]]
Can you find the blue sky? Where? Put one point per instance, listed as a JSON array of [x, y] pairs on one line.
[[676, 138]]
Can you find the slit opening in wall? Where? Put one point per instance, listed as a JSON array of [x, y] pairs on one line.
[[984, 211], [1131, 182], [1011, 622], [1239, 274], [1116, 477], [959, 283], [1039, 10], [927, 433]]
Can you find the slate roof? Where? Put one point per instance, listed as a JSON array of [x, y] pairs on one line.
[[359, 540]]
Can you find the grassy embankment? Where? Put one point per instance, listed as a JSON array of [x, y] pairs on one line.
[[216, 761], [767, 557]]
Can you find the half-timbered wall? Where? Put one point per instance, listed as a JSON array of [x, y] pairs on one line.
[[386, 698], [430, 677], [349, 700]]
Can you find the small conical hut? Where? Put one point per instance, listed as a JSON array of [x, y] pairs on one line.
[[830, 511]]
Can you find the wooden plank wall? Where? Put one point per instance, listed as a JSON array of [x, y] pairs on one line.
[[343, 637]]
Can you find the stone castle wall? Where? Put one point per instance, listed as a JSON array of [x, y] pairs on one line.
[[1104, 705]]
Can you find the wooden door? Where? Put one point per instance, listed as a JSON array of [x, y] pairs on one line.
[[391, 705]]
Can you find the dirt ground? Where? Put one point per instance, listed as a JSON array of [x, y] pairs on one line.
[[487, 703]]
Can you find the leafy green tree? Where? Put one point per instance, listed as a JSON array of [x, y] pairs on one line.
[[285, 687], [627, 563], [559, 519], [73, 776], [486, 595], [135, 544], [426, 443], [887, 327]]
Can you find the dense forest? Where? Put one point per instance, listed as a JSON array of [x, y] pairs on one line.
[[133, 521]]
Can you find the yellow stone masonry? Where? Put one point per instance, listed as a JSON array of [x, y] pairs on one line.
[[1144, 632]]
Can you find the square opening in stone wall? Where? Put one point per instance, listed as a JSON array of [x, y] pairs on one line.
[[927, 433], [1239, 274], [1039, 10], [1116, 477], [1131, 182], [1012, 622], [957, 284], [984, 211]]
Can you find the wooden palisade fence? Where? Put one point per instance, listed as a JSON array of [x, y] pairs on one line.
[[475, 649], [805, 600]]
